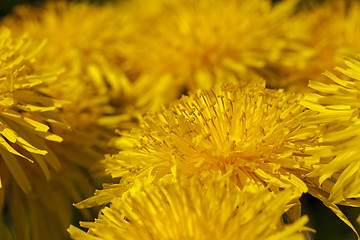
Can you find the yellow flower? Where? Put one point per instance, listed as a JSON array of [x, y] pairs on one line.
[[332, 29], [89, 79], [261, 137], [37, 186], [338, 106], [26, 114], [88, 53], [181, 210], [254, 134], [179, 45]]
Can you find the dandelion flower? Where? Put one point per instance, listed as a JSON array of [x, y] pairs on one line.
[[338, 106], [215, 210], [180, 45], [88, 79], [26, 114], [88, 53], [37, 188], [91, 80], [332, 29], [253, 133]]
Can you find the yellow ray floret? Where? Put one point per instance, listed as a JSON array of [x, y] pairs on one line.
[[25, 113], [217, 209], [338, 106]]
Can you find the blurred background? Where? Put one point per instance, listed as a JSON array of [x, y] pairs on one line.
[[7, 5], [328, 226]]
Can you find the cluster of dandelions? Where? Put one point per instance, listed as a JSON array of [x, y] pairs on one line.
[[229, 160], [52, 95]]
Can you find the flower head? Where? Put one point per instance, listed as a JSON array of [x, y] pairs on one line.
[[37, 186], [26, 114], [332, 29], [254, 134], [90, 79], [185, 44], [337, 104], [87, 53], [190, 209]]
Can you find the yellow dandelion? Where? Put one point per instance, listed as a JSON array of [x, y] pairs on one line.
[[179, 45], [259, 136], [26, 114], [332, 29], [253, 132], [179, 210], [338, 106], [88, 52], [207, 38], [37, 187], [91, 80]]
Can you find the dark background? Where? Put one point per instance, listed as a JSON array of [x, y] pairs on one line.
[[7, 5], [328, 226]]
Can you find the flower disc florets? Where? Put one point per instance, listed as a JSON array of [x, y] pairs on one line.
[[253, 132]]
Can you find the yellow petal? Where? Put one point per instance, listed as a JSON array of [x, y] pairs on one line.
[[79, 234], [38, 126], [16, 170], [316, 193], [10, 149], [9, 134]]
